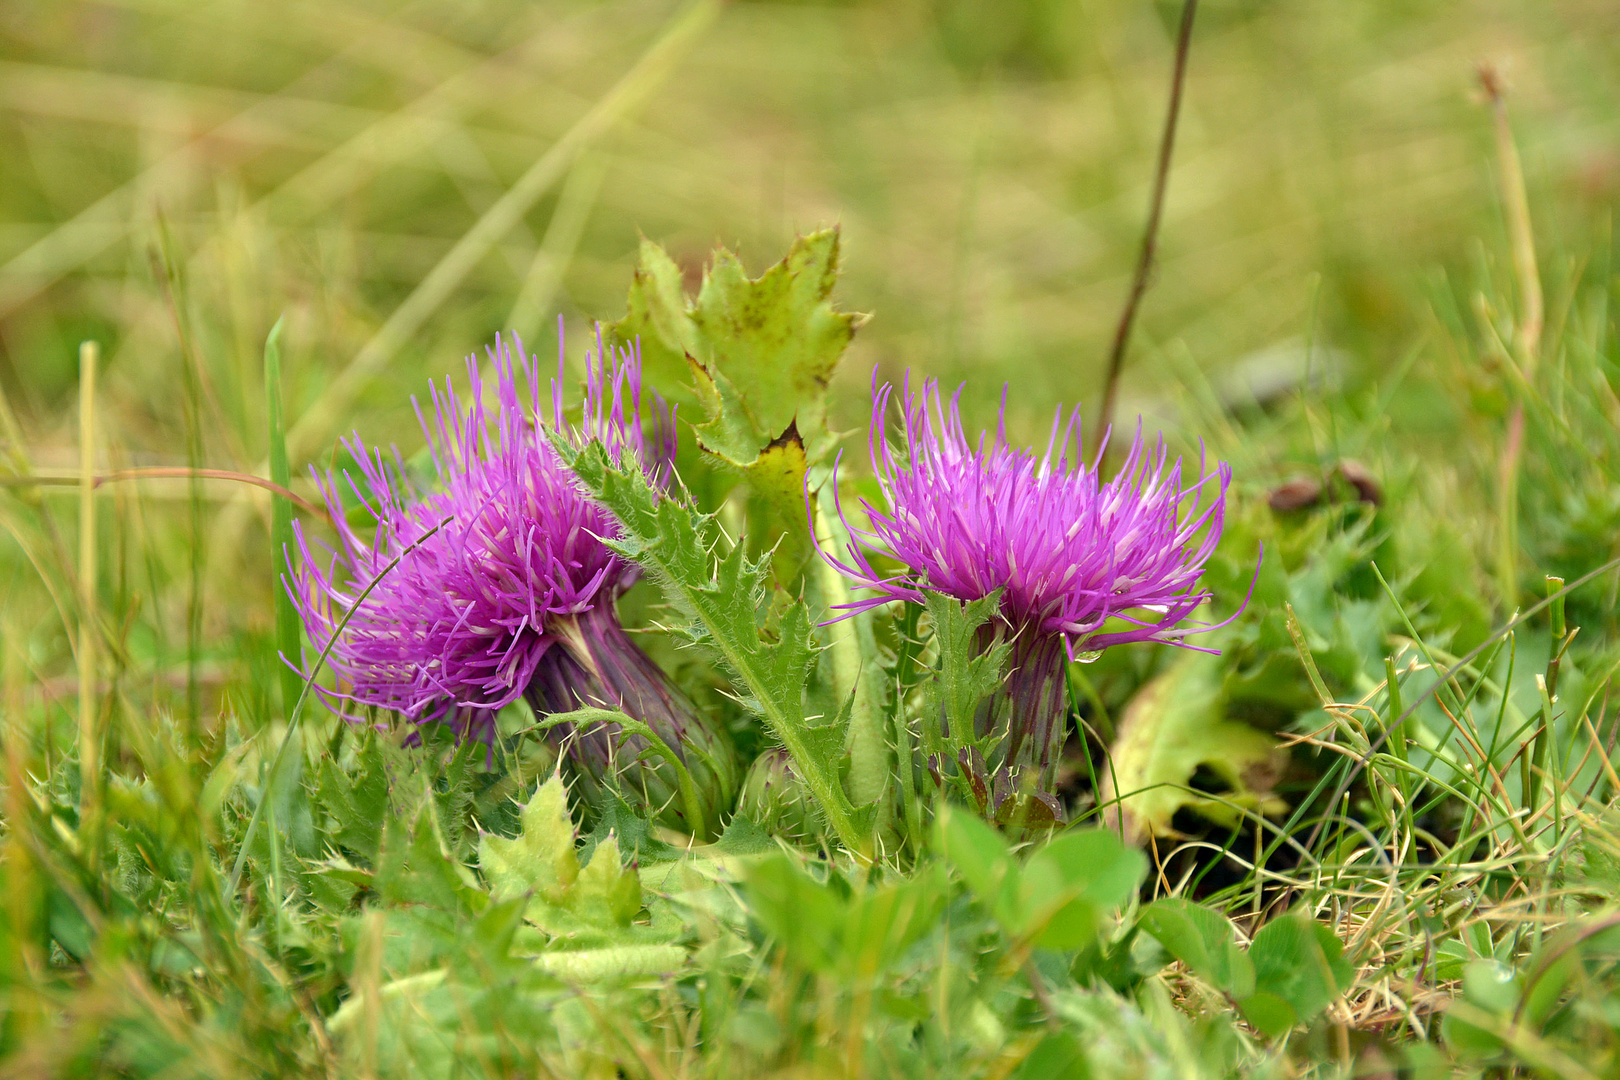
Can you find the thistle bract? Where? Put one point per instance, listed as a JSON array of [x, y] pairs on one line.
[[776, 797], [1081, 563], [499, 584]]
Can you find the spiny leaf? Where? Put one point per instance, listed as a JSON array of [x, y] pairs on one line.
[[720, 596], [616, 818], [657, 314], [607, 887], [965, 676], [542, 859], [614, 962], [656, 746], [761, 350], [964, 679], [415, 867], [356, 804]]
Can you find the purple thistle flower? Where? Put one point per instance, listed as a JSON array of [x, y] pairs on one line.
[[1081, 563], [503, 584]]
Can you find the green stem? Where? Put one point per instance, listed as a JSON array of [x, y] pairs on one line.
[[855, 673], [281, 517]]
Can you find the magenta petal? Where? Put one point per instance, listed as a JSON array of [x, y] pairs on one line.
[[459, 626]]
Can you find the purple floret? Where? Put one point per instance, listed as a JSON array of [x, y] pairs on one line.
[[1081, 563], [1070, 550], [456, 630]]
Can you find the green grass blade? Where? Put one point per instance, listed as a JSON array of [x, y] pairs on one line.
[[281, 511]]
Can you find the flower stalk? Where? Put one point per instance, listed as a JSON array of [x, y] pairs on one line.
[[1079, 564], [516, 594]]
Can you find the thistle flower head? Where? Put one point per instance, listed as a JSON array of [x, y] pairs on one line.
[[1095, 562], [449, 595]]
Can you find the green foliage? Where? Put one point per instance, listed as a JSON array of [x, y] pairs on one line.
[[718, 592], [1298, 970], [1055, 899], [1175, 726], [1204, 940], [428, 910], [541, 860], [849, 934], [967, 674], [1291, 971], [541, 864], [281, 533], [691, 798], [762, 352]]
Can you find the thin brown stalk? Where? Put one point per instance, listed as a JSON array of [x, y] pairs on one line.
[[1150, 236], [178, 472]]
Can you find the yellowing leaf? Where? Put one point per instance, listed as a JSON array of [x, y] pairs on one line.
[[1174, 725], [761, 351]]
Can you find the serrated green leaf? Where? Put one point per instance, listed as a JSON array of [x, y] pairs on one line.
[[617, 818], [414, 866], [743, 837], [657, 316], [606, 890], [967, 674], [762, 351], [542, 858], [355, 802]]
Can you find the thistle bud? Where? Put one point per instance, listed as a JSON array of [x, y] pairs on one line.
[[774, 797]]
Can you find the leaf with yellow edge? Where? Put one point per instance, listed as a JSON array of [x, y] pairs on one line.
[[1175, 725]]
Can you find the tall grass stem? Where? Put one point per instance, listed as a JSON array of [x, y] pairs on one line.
[[89, 698], [281, 534], [628, 94], [1526, 336], [1150, 235]]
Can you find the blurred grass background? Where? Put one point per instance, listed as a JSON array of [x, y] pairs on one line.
[[179, 174]]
